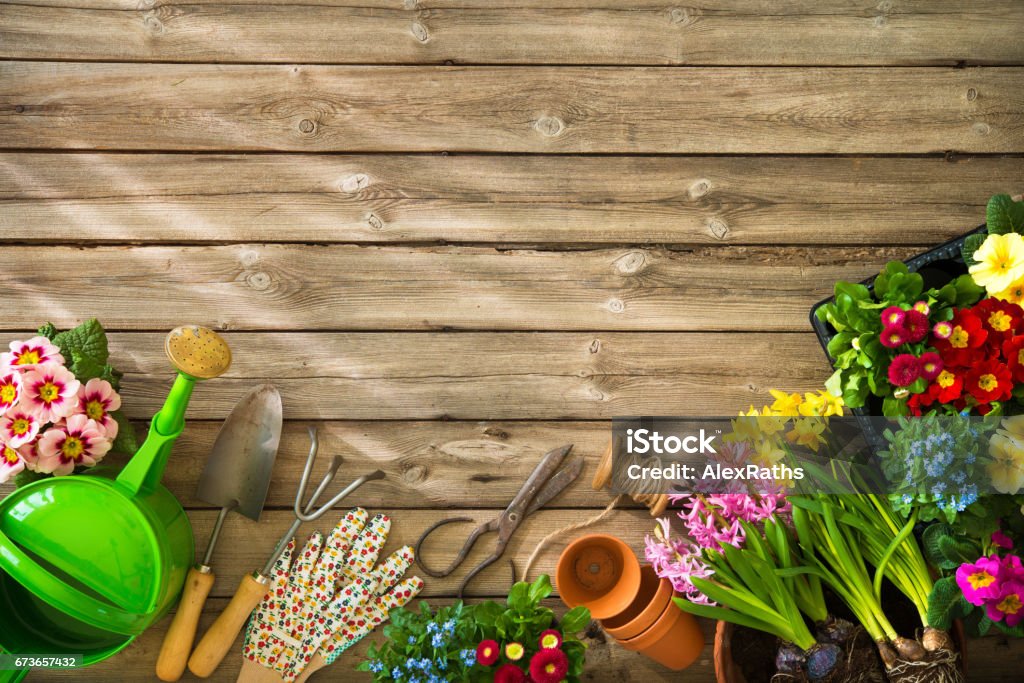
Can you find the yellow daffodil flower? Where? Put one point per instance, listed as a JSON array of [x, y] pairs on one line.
[[821, 404], [1000, 262], [807, 432], [785, 404], [1007, 466], [768, 453]]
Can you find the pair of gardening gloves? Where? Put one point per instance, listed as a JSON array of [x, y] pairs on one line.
[[326, 600]]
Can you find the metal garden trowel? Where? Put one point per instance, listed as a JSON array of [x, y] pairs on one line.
[[236, 478]]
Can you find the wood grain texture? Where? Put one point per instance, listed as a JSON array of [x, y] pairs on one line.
[[510, 109], [503, 199], [290, 287], [485, 376], [606, 661], [429, 464], [743, 33]]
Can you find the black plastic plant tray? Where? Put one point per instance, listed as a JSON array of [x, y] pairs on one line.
[[938, 267]]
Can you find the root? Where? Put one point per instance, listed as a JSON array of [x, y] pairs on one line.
[[940, 666]]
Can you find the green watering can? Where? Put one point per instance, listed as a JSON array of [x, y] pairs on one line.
[[88, 562]]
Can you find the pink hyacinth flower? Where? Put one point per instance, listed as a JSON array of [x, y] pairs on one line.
[[10, 390], [979, 581], [25, 355], [97, 399], [78, 442], [10, 463], [49, 391], [18, 428]]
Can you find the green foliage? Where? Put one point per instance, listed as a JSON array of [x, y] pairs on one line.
[[126, 440], [860, 359], [933, 461], [1003, 215], [972, 244], [946, 603], [425, 643]]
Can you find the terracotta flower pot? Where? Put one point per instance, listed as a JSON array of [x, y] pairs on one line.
[[674, 640], [727, 671], [650, 602], [600, 572]]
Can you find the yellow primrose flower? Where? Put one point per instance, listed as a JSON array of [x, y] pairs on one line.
[[807, 432], [1013, 427], [786, 404], [1013, 294], [1000, 262], [1007, 466]]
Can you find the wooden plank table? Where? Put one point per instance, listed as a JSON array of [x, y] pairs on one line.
[[457, 233]]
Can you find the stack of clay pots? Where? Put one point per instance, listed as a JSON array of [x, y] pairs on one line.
[[632, 604]]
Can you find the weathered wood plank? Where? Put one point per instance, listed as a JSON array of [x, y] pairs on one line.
[[988, 659], [746, 33], [606, 662], [485, 376], [523, 109], [257, 286], [245, 545], [444, 465], [86, 197]]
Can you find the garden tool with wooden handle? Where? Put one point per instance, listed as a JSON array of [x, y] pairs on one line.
[[217, 641], [311, 598], [236, 478]]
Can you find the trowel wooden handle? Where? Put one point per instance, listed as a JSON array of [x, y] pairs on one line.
[[170, 665], [218, 640]]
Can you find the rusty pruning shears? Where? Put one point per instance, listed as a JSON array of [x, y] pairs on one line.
[[545, 482]]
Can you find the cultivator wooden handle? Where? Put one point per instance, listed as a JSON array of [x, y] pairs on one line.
[[170, 665], [218, 640]]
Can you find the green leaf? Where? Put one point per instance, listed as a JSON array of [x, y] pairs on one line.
[[575, 620], [945, 603], [519, 596], [126, 440], [967, 291], [88, 340], [1004, 215], [540, 589], [971, 244], [833, 384], [930, 544], [48, 331], [957, 550], [894, 407]]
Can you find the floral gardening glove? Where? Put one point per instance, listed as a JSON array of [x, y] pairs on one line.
[[311, 596], [391, 591]]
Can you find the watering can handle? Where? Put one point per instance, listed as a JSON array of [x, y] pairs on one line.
[[47, 587]]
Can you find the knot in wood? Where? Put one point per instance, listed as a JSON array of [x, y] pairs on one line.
[[616, 305], [630, 263], [972, 94], [151, 21], [355, 182], [259, 281], [699, 188], [718, 228], [549, 126], [682, 16], [249, 258], [595, 346], [981, 128], [306, 126], [420, 32], [375, 222]]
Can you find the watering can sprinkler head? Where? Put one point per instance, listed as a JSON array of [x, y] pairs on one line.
[[197, 352]]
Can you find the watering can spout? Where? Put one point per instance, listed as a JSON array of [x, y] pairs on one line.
[[197, 353]]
